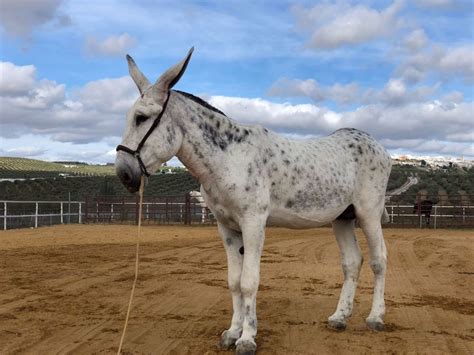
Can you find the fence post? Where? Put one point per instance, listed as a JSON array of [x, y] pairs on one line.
[[80, 213], [123, 209], [435, 215], [5, 215], [464, 215], [62, 214], [86, 210], [187, 209], [69, 208], [36, 215], [391, 215]]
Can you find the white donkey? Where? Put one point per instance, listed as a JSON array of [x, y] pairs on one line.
[[251, 178], [198, 197]]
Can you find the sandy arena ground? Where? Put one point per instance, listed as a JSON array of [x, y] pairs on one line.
[[65, 289]]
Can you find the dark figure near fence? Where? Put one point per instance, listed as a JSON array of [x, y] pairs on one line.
[[424, 208]]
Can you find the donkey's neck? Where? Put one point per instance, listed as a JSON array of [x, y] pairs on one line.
[[207, 135]]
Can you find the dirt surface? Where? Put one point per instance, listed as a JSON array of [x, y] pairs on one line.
[[65, 289]]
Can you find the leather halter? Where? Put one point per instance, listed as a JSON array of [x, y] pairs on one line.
[[136, 152]]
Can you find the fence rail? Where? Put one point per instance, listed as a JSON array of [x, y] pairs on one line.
[[184, 210], [24, 214]]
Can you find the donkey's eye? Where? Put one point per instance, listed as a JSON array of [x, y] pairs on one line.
[[140, 119]]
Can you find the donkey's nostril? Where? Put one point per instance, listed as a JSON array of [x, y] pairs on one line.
[[126, 177]]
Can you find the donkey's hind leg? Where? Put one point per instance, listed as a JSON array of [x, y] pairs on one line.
[[234, 249], [351, 260], [371, 225]]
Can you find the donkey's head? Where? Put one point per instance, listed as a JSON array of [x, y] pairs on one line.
[[151, 137]]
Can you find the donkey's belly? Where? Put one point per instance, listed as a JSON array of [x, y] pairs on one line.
[[294, 223], [291, 219]]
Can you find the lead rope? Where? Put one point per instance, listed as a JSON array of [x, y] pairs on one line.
[[140, 191]]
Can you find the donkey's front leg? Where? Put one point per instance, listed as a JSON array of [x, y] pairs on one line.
[[234, 248], [253, 232]]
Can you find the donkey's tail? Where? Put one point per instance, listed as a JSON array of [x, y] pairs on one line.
[[385, 216]]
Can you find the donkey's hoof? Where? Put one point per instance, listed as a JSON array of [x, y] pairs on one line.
[[337, 324], [375, 324], [227, 340], [245, 347]]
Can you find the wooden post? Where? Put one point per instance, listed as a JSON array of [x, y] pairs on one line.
[[62, 214], [123, 208], [86, 210], [187, 209]]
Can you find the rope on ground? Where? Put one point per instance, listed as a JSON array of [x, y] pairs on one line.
[[142, 187]]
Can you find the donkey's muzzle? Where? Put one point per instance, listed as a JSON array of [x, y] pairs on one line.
[[129, 178]]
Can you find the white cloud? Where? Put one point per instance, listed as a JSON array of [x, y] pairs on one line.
[[416, 40], [459, 61], [432, 147], [93, 116], [108, 95], [15, 80], [281, 117], [20, 17], [405, 126], [395, 92], [111, 46], [23, 151], [285, 87], [337, 24], [93, 112], [446, 62], [341, 93]]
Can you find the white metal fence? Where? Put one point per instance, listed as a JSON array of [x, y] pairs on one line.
[[440, 216], [27, 214], [21, 214]]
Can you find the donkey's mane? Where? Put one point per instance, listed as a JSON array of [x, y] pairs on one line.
[[200, 101]]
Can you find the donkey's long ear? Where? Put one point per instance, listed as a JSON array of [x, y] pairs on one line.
[[170, 77], [140, 80]]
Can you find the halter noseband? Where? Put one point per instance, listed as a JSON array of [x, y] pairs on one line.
[[136, 152]]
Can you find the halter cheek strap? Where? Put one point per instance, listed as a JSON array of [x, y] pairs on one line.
[[136, 152]]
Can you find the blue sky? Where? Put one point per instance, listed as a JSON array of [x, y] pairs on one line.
[[400, 70]]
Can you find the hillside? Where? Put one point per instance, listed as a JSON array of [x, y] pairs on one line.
[[44, 182], [86, 187], [447, 186], [23, 168]]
